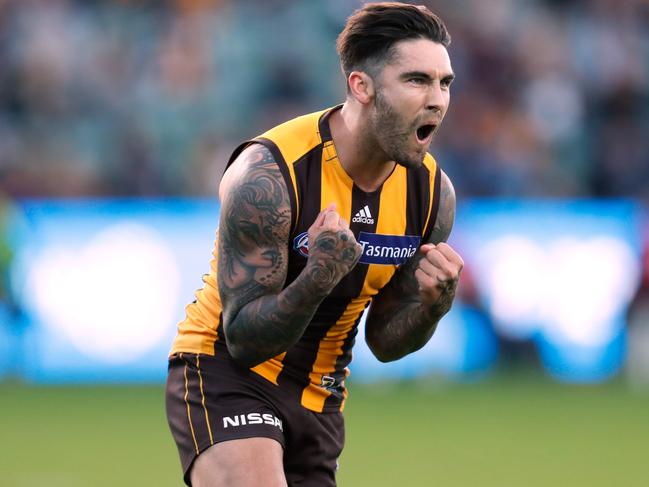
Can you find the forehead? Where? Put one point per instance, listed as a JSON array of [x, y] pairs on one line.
[[420, 55]]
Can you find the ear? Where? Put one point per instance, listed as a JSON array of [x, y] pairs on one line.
[[361, 86]]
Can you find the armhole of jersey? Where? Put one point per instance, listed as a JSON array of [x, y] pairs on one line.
[[283, 168], [433, 208]]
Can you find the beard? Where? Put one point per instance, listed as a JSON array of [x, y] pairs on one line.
[[394, 134]]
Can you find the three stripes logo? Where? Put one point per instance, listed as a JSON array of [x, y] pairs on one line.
[[363, 216]]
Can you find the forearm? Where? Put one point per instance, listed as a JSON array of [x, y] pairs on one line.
[[271, 324], [394, 333]]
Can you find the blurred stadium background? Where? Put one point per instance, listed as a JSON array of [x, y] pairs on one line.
[[116, 118]]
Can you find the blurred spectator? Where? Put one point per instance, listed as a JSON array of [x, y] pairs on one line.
[[148, 98]]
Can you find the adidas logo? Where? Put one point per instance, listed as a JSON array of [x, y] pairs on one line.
[[363, 216]]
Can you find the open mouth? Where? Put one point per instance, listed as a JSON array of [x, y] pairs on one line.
[[424, 132]]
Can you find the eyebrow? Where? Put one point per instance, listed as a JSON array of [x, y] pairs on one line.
[[420, 74]]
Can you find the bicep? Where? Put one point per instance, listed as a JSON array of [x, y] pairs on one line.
[[253, 232]]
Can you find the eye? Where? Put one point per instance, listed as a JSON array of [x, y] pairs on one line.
[[446, 82], [417, 81]]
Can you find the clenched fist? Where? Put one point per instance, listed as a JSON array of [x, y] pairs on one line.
[[438, 273], [333, 250]]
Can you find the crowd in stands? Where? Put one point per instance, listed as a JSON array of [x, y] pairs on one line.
[[148, 98]]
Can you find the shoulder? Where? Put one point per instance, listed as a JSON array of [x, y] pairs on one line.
[[300, 124], [253, 162], [442, 201], [297, 136], [446, 189], [446, 210]]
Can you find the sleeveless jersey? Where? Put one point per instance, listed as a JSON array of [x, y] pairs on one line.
[[390, 223]]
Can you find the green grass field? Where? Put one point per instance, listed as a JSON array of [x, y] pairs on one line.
[[499, 432]]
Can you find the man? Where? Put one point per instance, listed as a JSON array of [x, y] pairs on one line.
[[320, 217]]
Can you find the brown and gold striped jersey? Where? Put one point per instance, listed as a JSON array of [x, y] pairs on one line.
[[390, 223]]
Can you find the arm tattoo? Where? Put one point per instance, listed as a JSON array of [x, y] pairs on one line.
[[398, 322], [260, 319]]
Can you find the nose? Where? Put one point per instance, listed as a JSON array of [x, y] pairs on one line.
[[437, 100]]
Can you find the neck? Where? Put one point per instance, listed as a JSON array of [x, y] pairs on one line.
[[357, 148]]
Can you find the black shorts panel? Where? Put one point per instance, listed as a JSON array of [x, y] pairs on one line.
[[209, 399], [312, 459]]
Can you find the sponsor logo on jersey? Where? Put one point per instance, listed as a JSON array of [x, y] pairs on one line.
[[301, 244], [252, 418], [387, 249], [377, 248], [363, 216]]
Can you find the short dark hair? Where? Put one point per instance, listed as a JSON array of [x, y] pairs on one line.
[[371, 32]]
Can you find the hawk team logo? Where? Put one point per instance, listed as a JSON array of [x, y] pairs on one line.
[[301, 244], [331, 384]]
